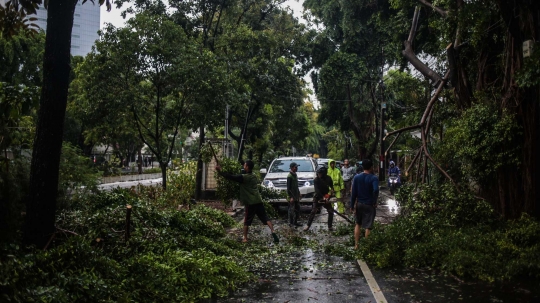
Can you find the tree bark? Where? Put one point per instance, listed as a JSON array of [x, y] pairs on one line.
[[439, 10], [139, 161], [41, 201], [200, 163], [163, 166], [409, 54]]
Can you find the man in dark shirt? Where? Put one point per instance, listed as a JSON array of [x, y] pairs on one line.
[[324, 188], [293, 195], [250, 197], [365, 191]]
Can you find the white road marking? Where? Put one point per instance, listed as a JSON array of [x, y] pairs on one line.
[[375, 289]]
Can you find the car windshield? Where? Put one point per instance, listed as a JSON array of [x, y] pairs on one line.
[[281, 166]]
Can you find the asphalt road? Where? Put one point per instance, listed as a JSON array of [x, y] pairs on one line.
[[305, 275]]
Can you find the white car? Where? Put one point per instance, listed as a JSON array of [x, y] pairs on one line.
[[276, 176]]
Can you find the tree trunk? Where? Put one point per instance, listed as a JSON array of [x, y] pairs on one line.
[[163, 167], [139, 161], [199, 176], [41, 202], [241, 145]]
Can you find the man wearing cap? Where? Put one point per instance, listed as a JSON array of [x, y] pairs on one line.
[[293, 195]]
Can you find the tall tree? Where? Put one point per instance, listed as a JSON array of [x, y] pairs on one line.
[[349, 55], [41, 203], [151, 75]]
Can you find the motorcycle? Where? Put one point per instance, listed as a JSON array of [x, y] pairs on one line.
[[393, 181]]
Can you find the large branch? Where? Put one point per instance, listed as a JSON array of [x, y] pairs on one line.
[[402, 130], [391, 144], [409, 54], [426, 153], [439, 10], [413, 161], [434, 98]]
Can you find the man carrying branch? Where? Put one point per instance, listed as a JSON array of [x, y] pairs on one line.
[[250, 197]]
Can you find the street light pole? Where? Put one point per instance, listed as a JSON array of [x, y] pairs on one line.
[[382, 160]]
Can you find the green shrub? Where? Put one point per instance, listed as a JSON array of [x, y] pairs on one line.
[[181, 276], [441, 228], [153, 170], [227, 190], [171, 255], [180, 184], [77, 174], [14, 183]]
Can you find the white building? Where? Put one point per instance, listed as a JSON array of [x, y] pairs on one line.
[[85, 26]]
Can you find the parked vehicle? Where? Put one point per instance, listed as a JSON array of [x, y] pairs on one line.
[[276, 177], [324, 161]]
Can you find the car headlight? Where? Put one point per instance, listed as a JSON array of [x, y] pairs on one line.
[[309, 183], [268, 183]]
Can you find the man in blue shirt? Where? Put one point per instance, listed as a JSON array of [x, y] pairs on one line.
[[365, 191]]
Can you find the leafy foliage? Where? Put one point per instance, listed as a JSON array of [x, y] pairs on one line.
[[481, 142], [530, 74], [181, 184], [173, 256], [13, 189], [16, 124], [77, 172], [227, 190]]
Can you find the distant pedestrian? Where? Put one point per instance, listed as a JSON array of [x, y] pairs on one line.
[[293, 195], [145, 161], [250, 197], [365, 192], [324, 188], [348, 174]]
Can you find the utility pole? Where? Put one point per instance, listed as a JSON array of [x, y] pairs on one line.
[[382, 160], [226, 142]]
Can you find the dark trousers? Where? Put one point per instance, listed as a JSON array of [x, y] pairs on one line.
[[315, 209], [294, 212], [347, 189]]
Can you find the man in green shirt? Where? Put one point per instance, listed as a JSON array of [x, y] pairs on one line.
[[293, 195], [251, 198]]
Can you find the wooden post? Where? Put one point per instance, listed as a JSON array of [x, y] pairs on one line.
[[128, 218]]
